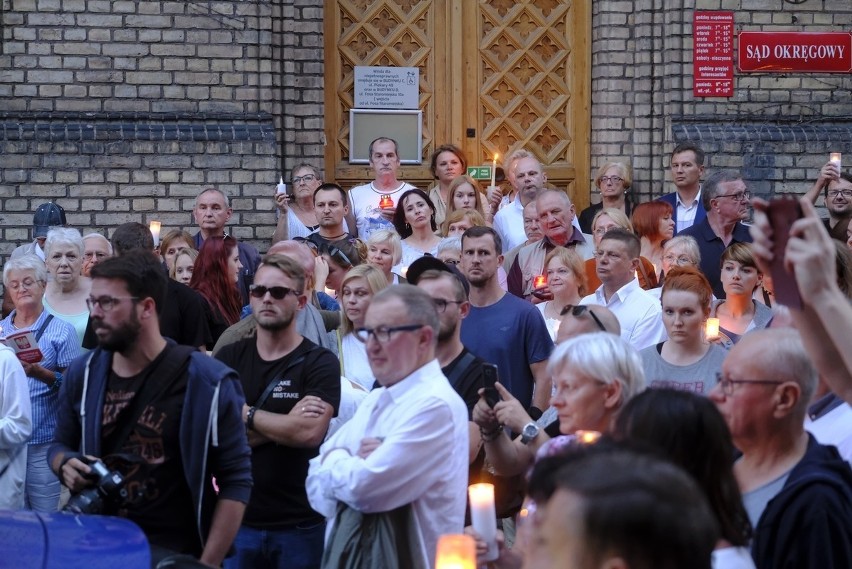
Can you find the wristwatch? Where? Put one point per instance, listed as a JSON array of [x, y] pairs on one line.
[[529, 432]]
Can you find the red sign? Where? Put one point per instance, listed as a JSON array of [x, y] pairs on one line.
[[713, 54], [785, 52]]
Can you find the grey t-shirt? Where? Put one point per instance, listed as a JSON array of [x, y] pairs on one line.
[[756, 500], [699, 377]]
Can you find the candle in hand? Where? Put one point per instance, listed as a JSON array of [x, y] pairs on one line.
[[483, 517], [834, 158], [281, 188], [455, 551], [494, 170], [539, 281], [712, 328], [386, 201], [155, 231]]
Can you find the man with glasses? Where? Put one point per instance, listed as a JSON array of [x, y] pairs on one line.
[[212, 211], [96, 248], [292, 389], [797, 492], [399, 454], [838, 199], [638, 312], [166, 416], [687, 167], [726, 198]]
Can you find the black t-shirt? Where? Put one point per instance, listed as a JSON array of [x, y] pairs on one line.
[[469, 382], [278, 497], [159, 498]]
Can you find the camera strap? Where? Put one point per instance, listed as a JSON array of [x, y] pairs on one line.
[[172, 364]]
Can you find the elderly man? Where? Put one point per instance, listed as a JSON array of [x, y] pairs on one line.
[[725, 197], [556, 221], [687, 167], [96, 248], [837, 187], [797, 492], [527, 177], [47, 216], [399, 455], [212, 211], [366, 214]]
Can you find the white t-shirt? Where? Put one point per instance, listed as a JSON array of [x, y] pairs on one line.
[[364, 203]]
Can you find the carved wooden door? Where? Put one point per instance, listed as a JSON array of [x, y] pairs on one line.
[[495, 76]]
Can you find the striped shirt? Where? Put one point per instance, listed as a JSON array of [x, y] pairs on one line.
[[59, 346]]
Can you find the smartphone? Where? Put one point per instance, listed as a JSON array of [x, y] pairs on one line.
[[782, 212], [489, 378]]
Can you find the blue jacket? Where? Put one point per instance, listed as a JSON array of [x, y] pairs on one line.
[[671, 199], [808, 524], [212, 435]]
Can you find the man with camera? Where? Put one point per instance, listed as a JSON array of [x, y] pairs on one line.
[[165, 417]]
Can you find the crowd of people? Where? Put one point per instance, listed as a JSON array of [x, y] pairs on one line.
[[327, 404]]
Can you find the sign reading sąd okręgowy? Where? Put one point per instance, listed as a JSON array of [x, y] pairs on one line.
[[800, 52]]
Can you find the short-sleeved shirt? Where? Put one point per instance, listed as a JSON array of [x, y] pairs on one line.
[[511, 334], [698, 377], [278, 497], [364, 204]]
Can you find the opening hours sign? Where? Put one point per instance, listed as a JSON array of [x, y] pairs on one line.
[[713, 54]]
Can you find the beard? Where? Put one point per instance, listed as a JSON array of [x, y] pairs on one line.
[[275, 323], [121, 338], [446, 332]]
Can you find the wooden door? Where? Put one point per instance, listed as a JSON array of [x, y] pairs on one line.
[[495, 76]]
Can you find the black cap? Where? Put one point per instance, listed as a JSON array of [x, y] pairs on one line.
[[429, 263], [47, 216]]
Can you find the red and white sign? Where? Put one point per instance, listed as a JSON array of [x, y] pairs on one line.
[[803, 52], [713, 54]]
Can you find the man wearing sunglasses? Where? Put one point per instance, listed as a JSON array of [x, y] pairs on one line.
[[171, 408], [726, 199], [292, 389], [401, 456]]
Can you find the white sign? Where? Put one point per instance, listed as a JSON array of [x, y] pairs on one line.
[[387, 87]]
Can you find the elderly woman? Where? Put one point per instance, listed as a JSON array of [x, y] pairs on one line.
[[384, 251], [25, 278], [594, 376], [448, 162], [173, 243], [67, 290], [612, 181], [566, 279], [738, 312], [296, 217]]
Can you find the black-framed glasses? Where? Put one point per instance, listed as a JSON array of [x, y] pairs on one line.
[[441, 304], [276, 292], [739, 196], [107, 303], [383, 334], [727, 385], [578, 310], [845, 193], [306, 178]]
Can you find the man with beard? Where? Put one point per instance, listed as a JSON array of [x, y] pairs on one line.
[[292, 389], [837, 187], [501, 328], [167, 417]]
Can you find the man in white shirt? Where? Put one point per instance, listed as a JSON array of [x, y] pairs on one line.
[[687, 167], [366, 212], [526, 172], [638, 312], [406, 444]]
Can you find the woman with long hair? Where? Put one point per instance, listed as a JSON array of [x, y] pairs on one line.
[[691, 432], [414, 220], [464, 194], [215, 275], [653, 223], [686, 360], [566, 278], [447, 163], [738, 312], [359, 286]]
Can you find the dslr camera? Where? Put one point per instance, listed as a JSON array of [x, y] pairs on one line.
[[109, 491]]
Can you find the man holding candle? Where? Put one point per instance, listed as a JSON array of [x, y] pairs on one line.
[[399, 454], [838, 197], [372, 205]]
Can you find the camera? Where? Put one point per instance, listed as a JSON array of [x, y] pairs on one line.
[[109, 491]]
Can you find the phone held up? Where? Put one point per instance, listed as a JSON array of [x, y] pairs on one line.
[[782, 213], [492, 396]]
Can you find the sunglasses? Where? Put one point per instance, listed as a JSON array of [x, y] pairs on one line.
[[276, 292], [580, 309]]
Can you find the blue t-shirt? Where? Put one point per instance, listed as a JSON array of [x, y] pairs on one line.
[[511, 334]]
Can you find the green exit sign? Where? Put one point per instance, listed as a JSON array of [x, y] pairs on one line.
[[479, 172]]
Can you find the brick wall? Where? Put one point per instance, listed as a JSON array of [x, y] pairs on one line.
[[777, 128]]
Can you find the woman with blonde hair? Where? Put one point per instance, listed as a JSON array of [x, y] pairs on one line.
[[566, 279], [384, 251], [183, 265], [359, 286], [603, 221], [461, 220]]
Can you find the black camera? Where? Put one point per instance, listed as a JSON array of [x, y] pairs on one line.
[[109, 491]]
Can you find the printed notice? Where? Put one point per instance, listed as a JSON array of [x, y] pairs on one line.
[[713, 54], [387, 87]]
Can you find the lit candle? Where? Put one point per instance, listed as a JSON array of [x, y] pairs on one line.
[[483, 517], [155, 231], [494, 170], [712, 328], [403, 271], [587, 437], [386, 201], [539, 281], [834, 158], [281, 188], [455, 551]]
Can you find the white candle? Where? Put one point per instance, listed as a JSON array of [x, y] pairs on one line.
[[455, 551], [494, 170], [834, 158], [281, 188], [483, 517], [712, 328], [155, 231]]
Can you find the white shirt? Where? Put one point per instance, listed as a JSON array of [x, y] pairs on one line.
[[686, 212], [423, 460], [834, 428], [364, 203], [356, 366], [638, 312], [509, 225], [15, 429]]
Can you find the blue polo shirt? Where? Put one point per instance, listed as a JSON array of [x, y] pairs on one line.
[[712, 247]]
